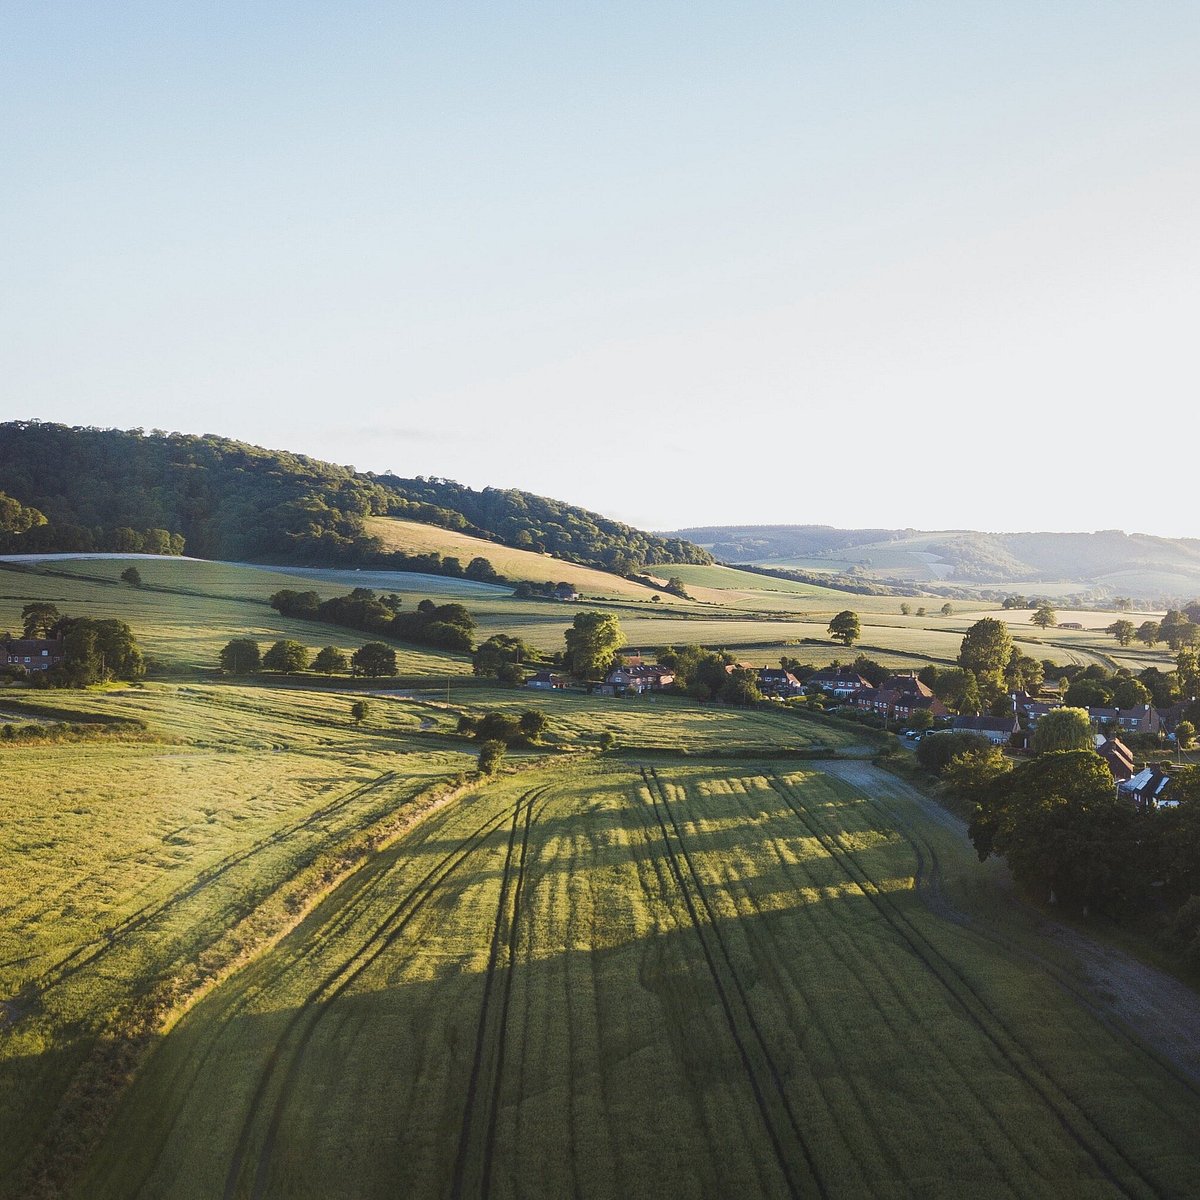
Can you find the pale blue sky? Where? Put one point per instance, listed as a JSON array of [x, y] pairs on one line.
[[949, 249]]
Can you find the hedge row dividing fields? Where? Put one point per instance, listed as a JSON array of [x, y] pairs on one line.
[[686, 979]]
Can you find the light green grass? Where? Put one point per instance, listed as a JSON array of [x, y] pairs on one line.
[[746, 981]]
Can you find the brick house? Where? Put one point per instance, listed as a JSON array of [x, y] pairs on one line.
[[34, 654]]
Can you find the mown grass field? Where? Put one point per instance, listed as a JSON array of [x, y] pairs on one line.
[[123, 866], [752, 979], [415, 538]]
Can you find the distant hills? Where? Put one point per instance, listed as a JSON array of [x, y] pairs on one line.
[[82, 489], [1105, 564]]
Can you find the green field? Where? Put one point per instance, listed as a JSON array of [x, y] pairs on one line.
[[679, 980], [259, 950]]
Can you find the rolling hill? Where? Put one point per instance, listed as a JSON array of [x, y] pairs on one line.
[[1105, 563]]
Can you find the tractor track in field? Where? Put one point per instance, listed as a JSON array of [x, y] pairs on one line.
[[870, 974], [930, 886], [90, 952], [677, 856], [321, 997], [506, 933], [1078, 1126]]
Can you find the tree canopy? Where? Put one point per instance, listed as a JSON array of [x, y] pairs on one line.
[[845, 627], [593, 640]]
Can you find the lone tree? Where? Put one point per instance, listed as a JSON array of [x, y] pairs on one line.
[[491, 755], [331, 661], [39, 618], [985, 651], [359, 711], [1044, 616], [1063, 729], [286, 656], [845, 628], [132, 576], [593, 640], [241, 657], [947, 609], [373, 660], [1124, 631]]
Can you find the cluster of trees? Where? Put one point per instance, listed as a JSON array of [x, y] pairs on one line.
[[445, 626], [500, 657], [705, 675], [108, 489], [94, 651], [537, 523], [522, 730], [1179, 629], [244, 656], [1066, 835]]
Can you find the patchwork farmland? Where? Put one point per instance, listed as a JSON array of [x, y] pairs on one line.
[[255, 948]]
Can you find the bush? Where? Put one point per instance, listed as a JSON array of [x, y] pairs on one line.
[[491, 755], [937, 749]]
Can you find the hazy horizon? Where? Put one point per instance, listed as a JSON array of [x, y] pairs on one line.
[[678, 264]]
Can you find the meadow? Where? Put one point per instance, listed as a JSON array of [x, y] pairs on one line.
[[712, 980]]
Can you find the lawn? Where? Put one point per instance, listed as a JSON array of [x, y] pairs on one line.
[[705, 980]]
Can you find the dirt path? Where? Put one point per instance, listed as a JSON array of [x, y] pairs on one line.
[[1156, 1009]]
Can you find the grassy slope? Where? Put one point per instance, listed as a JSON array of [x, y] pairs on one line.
[[746, 980], [415, 538]]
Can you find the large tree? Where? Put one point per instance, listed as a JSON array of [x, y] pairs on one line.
[[241, 656], [593, 640], [1044, 616], [286, 656], [845, 627], [1058, 823], [1063, 729], [373, 660], [1124, 631], [331, 661], [1149, 632], [39, 619], [985, 651]]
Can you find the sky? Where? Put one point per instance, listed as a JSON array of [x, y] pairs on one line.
[[862, 264]]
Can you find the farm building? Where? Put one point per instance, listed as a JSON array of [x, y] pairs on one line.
[[636, 680], [838, 681], [546, 681], [999, 730], [1070, 625], [565, 591], [1118, 756], [1147, 789], [1142, 718], [34, 654], [772, 681]]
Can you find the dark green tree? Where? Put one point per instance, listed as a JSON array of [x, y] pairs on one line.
[[845, 627], [532, 724], [39, 618], [1124, 631], [491, 756], [359, 711], [241, 656], [132, 576], [286, 656], [985, 651], [374, 660], [331, 661]]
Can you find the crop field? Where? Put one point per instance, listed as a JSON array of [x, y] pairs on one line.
[[669, 722], [750, 979], [124, 866], [415, 538], [184, 628]]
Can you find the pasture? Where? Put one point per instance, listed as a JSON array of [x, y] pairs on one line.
[[748, 979]]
